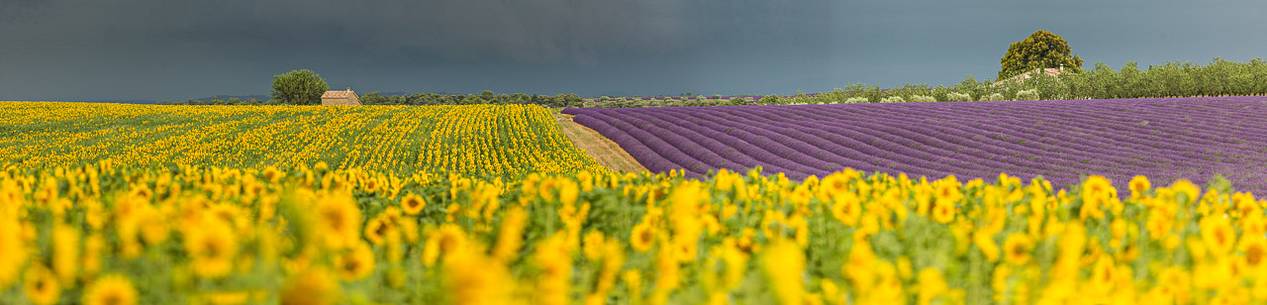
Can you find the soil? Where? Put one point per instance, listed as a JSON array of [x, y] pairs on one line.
[[601, 148]]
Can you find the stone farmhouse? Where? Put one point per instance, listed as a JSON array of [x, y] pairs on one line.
[[340, 98]]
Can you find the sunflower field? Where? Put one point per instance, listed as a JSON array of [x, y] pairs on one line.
[[488, 141], [102, 234], [107, 204]]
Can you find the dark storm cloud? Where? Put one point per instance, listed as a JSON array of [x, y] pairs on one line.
[[165, 49], [539, 30]]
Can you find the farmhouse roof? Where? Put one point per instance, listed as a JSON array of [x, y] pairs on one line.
[[338, 94], [1030, 74]]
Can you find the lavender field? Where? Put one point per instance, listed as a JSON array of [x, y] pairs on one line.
[[1164, 139]]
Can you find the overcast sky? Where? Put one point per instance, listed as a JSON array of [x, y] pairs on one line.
[[175, 49]]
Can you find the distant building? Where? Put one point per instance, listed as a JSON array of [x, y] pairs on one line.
[[340, 98], [1027, 75]]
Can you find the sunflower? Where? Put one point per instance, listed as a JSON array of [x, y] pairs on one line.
[[355, 264], [152, 226], [311, 287], [548, 189], [1255, 251], [784, 263], [984, 241], [110, 290], [271, 174], [642, 237], [1016, 248], [230, 214], [12, 253], [339, 221], [47, 192], [211, 248], [847, 209], [94, 246], [451, 238], [511, 234], [568, 191], [943, 211], [370, 185], [1104, 274], [833, 185], [443, 241], [41, 286], [553, 256], [1190, 191], [1174, 278], [226, 297], [470, 277], [947, 190], [930, 284], [593, 245], [1218, 235], [1139, 185], [412, 204], [65, 252], [831, 293], [379, 229], [686, 250], [321, 166]]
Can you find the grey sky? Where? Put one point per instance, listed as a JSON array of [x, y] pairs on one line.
[[173, 49]]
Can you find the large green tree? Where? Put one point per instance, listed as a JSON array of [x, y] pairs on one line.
[[299, 87], [1042, 49]]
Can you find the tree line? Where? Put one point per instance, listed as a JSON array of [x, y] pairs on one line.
[[1038, 51]]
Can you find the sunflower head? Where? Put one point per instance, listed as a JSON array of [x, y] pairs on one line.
[[833, 185], [1218, 235], [642, 237], [380, 229], [1017, 248], [1139, 185], [1104, 273], [310, 287], [211, 248], [65, 252], [339, 221], [272, 174], [41, 286], [110, 290], [412, 204], [450, 238], [356, 264], [847, 208], [943, 211], [1255, 251]]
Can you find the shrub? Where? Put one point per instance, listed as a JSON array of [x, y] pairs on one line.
[[857, 100], [993, 97], [1027, 95], [959, 97], [893, 99], [769, 100], [923, 98], [299, 87]]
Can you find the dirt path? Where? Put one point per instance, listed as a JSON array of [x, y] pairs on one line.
[[607, 153]]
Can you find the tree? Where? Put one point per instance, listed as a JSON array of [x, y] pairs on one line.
[[299, 87], [1042, 49]]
